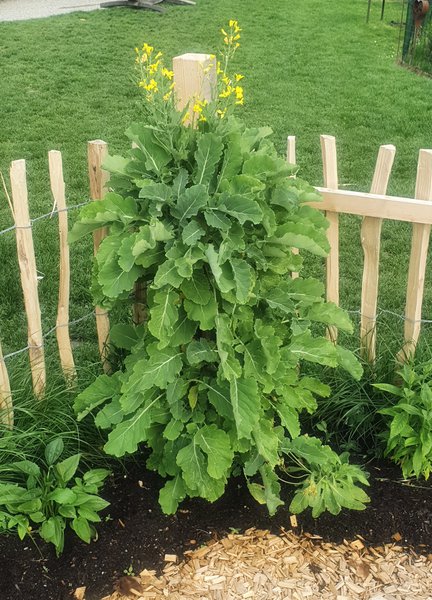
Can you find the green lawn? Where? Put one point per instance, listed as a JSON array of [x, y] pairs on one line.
[[68, 79]]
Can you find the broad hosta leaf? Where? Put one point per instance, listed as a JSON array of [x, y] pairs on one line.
[[190, 203], [330, 314], [203, 314], [53, 451], [207, 156], [241, 208], [216, 444], [246, 405], [163, 316], [202, 350], [172, 493], [126, 436], [192, 462], [316, 350], [348, 361], [102, 389], [244, 277], [67, 468], [192, 233]]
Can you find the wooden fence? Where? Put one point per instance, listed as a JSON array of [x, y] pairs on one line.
[[373, 207]]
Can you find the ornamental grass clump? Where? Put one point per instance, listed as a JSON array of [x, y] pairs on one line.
[[204, 214]]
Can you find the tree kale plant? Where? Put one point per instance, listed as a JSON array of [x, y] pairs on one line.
[[205, 218]]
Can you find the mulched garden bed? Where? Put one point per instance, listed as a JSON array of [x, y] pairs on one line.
[[135, 535]]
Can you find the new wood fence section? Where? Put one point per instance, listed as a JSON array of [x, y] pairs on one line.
[[373, 207]]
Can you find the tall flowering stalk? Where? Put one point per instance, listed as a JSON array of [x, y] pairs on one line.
[[156, 82]]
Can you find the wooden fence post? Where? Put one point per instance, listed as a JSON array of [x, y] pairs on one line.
[[6, 406], [331, 181], [194, 78], [97, 151], [62, 323], [29, 282], [418, 258], [291, 159], [371, 241]]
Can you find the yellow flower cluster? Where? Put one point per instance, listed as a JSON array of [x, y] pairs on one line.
[[198, 109], [231, 37], [154, 77]]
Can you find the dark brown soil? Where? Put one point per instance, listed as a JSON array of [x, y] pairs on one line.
[[136, 535]]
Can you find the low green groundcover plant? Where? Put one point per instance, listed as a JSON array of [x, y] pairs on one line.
[[41, 498], [409, 434], [204, 215]]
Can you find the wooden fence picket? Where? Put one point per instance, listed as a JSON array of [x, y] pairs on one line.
[[371, 242], [29, 281], [62, 323], [97, 151], [6, 405], [418, 258], [331, 181], [291, 150], [291, 159]]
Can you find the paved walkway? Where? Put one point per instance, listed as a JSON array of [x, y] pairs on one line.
[[19, 10]]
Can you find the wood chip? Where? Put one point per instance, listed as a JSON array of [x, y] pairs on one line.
[[396, 537], [170, 558], [293, 521], [79, 593], [259, 565]]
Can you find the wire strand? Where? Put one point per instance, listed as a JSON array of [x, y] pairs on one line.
[[47, 334], [45, 216]]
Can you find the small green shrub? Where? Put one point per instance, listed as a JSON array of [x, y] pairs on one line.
[[42, 495], [409, 435], [205, 220]]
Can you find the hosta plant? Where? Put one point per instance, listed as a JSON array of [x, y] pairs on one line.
[[205, 219], [45, 498], [409, 434]]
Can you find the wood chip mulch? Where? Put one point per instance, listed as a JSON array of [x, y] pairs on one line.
[[259, 565]]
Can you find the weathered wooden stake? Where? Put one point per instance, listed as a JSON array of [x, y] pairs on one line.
[[6, 406], [29, 281], [331, 181], [194, 79], [97, 151], [291, 159], [371, 241], [418, 258], [62, 323]]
